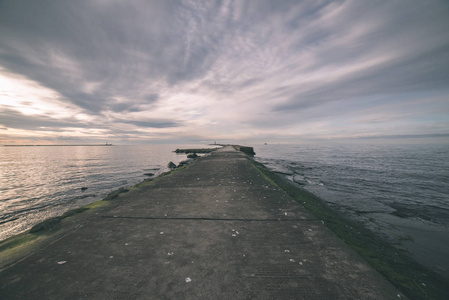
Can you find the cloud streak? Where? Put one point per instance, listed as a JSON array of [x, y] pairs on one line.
[[243, 70]]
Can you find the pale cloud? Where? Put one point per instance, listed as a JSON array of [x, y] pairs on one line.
[[30, 98], [242, 70]]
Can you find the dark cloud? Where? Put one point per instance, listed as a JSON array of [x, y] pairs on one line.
[[17, 120], [132, 106], [65, 45], [273, 60], [152, 123], [420, 73], [418, 43]]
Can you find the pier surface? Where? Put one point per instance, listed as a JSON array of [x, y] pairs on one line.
[[215, 230]]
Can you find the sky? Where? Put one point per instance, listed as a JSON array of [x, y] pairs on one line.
[[136, 72]]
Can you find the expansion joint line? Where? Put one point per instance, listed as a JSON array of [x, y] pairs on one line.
[[208, 219]]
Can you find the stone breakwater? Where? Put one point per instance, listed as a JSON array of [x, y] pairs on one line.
[[219, 228], [245, 149], [201, 150]]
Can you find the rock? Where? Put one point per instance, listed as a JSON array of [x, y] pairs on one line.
[[184, 162], [46, 224], [116, 193], [171, 165], [84, 196], [192, 155], [299, 179]]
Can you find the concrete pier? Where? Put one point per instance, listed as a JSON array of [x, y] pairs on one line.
[[215, 230]]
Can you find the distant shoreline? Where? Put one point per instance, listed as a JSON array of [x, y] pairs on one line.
[[55, 145]]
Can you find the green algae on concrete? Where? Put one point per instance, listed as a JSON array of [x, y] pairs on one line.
[[53, 222], [215, 229], [415, 280], [144, 247], [20, 246]]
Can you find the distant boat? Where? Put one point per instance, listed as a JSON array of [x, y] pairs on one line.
[[265, 144], [108, 144]]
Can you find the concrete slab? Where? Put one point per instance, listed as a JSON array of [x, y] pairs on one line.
[[216, 230]]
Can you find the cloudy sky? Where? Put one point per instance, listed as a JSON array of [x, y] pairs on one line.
[[199, 71]]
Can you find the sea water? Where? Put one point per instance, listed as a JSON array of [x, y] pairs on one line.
[[400, 192], [39, 182]]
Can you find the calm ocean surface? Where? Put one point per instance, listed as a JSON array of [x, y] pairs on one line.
[[41, 182], [399, 191]]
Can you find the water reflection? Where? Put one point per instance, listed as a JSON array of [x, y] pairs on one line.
[[41, 182]]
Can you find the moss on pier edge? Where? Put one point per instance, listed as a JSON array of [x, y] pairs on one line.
[[15, 248], [392, 263], [413, 279], [20, 246]]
